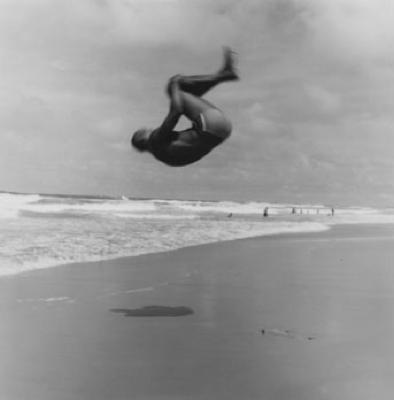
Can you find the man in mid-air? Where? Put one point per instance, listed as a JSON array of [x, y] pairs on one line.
[[210, 126]]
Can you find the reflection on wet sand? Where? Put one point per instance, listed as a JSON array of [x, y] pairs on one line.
[[154, 311]]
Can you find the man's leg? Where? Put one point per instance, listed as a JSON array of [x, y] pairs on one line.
[[193, 106], [198, 85], [204, 115]]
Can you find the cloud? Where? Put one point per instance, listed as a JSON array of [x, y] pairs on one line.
[[351, 30], [257, 119], [314, 103], [325, 100]]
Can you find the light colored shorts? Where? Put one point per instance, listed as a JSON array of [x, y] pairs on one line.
[[214, 122]]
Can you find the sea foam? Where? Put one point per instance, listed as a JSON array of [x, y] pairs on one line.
[[41, 231]]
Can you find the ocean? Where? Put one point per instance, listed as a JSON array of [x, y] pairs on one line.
[[42, 231]]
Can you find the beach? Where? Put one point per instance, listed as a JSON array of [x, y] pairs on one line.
[[291, 316], [196, 200]]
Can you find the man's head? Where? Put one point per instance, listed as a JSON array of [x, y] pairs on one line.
[[140, 139]]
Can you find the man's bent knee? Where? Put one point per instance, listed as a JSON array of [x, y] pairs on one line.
[[170, 81]]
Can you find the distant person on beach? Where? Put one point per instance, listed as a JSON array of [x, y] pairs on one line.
[[210, 127]]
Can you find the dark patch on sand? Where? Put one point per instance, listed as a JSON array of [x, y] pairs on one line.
[[154, 311]]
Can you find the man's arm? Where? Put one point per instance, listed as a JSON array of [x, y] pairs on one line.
[[169, 123], [175, 95], [164, 133]]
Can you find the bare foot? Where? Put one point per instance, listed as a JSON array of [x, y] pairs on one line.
[[229, 61]]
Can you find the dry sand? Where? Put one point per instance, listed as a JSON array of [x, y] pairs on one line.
[[300, 317]]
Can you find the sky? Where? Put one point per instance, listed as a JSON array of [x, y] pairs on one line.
[[313, 112]]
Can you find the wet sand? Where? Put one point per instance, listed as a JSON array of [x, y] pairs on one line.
[[300, 317]]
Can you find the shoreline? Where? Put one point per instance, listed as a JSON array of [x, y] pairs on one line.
[[328, 228], [284, 231]]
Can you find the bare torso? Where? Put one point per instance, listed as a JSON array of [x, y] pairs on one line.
[[180, 147]]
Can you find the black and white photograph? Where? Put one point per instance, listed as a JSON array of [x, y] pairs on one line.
[[196, 199]]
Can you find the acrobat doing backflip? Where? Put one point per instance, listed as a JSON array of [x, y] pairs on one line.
[[210, 126]]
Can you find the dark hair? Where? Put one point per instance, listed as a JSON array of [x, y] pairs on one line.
[[140, 140]]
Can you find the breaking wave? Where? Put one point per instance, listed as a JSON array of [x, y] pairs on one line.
[[41, 231]]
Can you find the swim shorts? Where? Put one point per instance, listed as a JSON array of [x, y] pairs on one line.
[[214, 123]]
